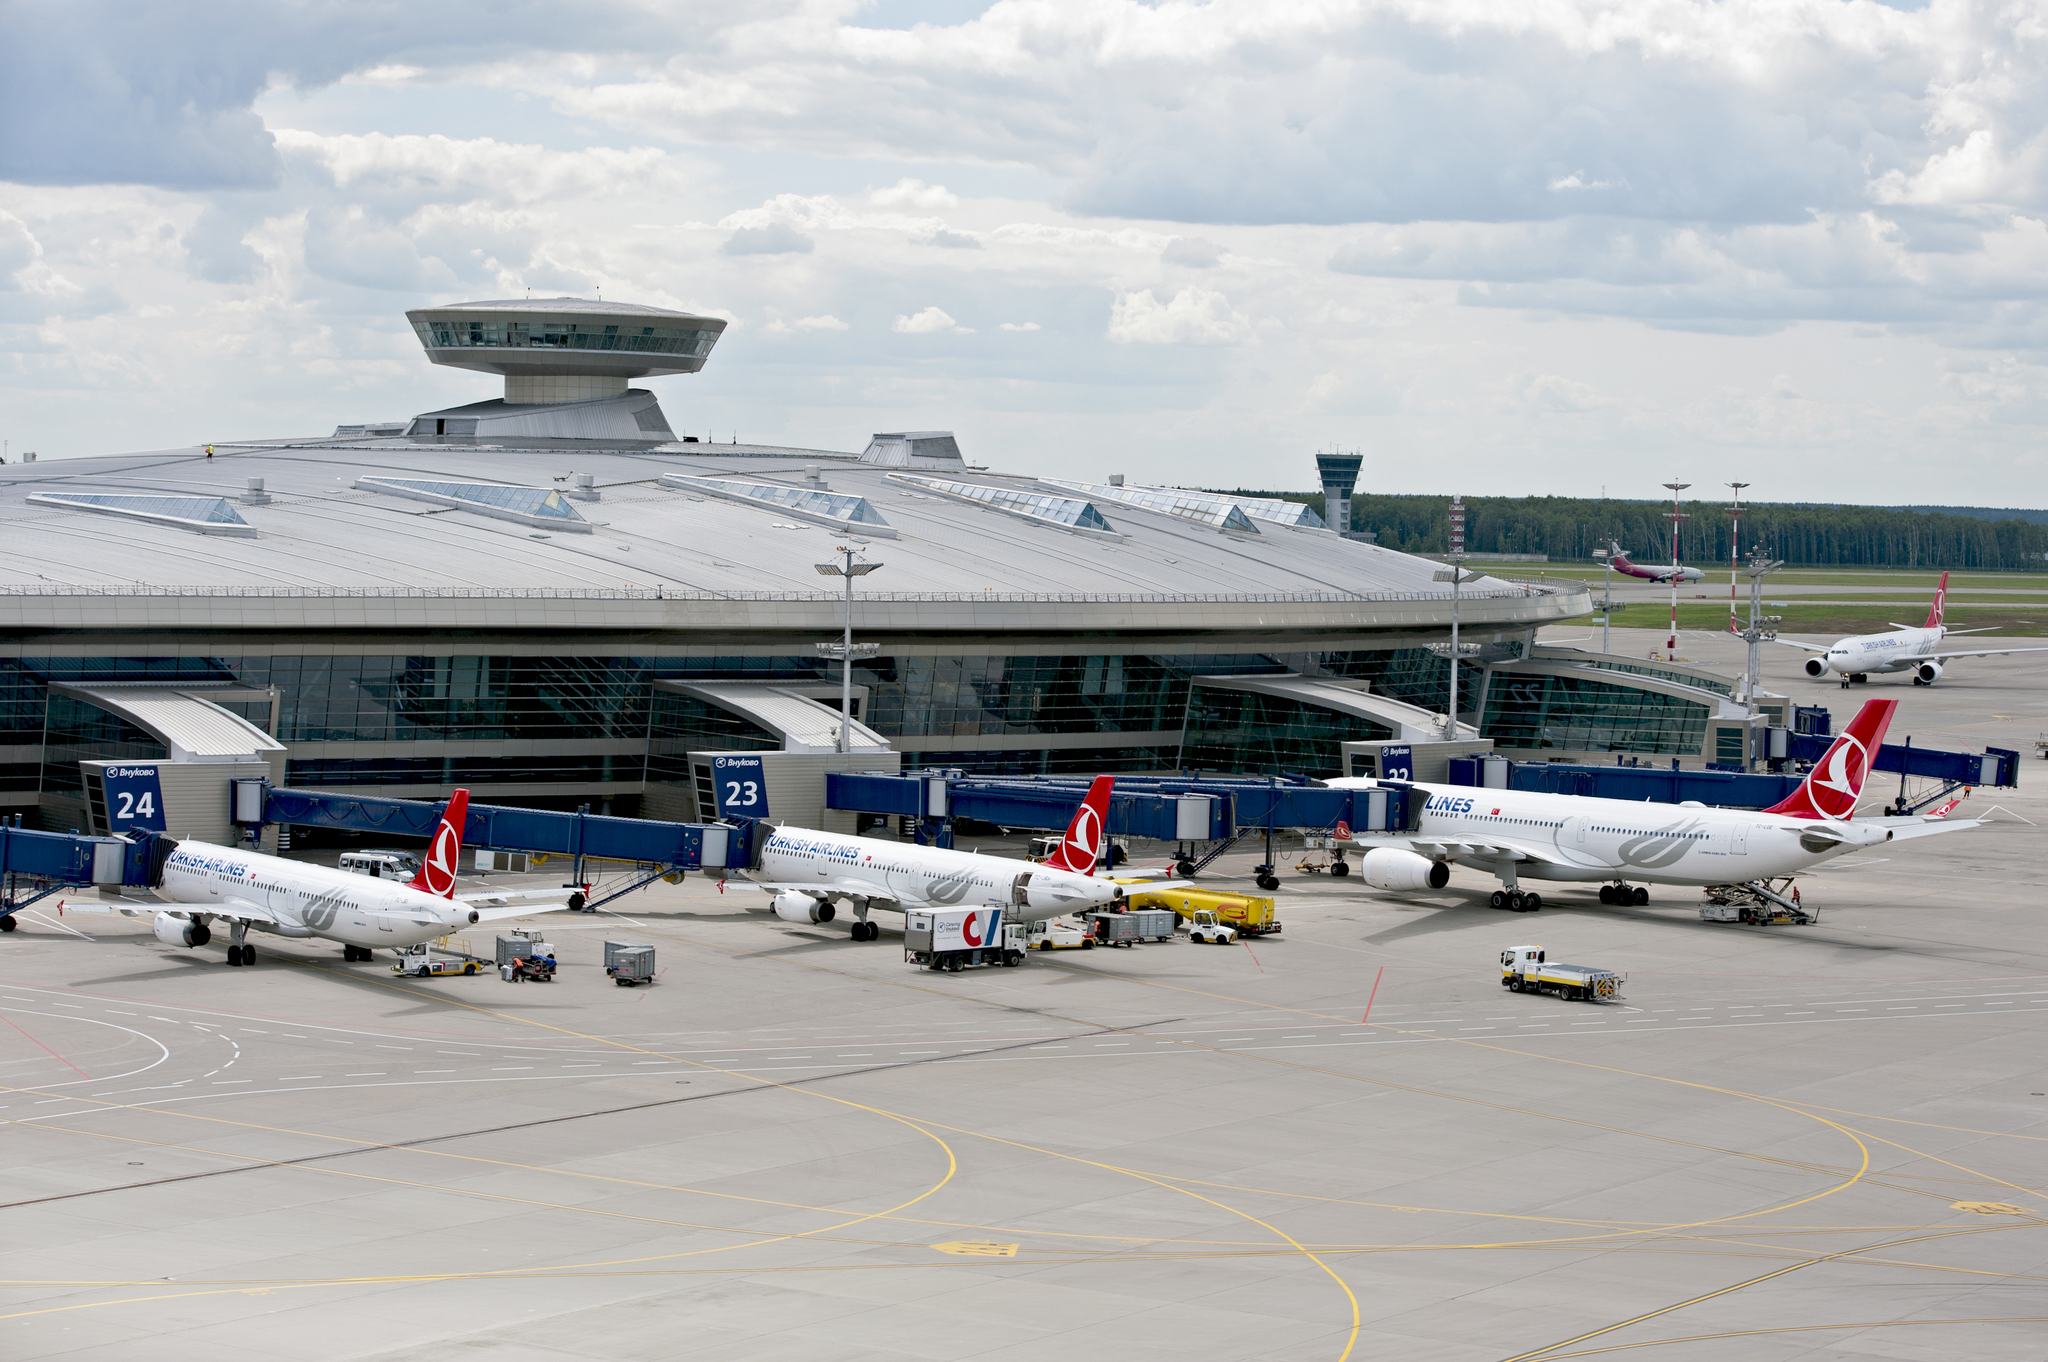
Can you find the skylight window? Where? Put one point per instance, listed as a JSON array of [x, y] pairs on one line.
[[205, 515], [839, 510], [1204, 508], [1068, 513], [542, 506], [1279, 512]]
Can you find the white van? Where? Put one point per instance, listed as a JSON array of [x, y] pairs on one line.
[[387, 865]]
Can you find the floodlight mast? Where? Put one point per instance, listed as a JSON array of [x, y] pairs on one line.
[[1606, 557], [845, 650], [1674, 515], [1734, 549], [1456, 558]]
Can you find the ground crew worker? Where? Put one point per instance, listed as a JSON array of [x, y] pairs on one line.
[[209, 451]]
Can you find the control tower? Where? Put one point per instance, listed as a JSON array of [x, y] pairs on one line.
[[566, 364]]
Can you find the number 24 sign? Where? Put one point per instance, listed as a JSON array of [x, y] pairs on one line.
[[742, 787]]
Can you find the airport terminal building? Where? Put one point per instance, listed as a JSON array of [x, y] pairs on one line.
[[551, 599]]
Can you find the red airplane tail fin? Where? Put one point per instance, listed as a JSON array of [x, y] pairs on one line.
[[1940, 600], [1079, 850], [437, 873], [1833, 786]]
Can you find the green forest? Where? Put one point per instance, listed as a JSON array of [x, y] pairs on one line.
[[1570, 528]]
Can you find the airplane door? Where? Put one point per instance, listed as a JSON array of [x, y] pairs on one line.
[[1020, 891], [1738, 840], [1571, 840]]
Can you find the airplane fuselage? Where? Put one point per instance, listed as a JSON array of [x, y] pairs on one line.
[[1901, 650], [885, 873], [308, 900], [1585, 839]]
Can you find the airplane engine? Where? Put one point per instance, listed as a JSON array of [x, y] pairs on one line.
[[1927, 673], [181, 931], [1816, 666], [1393, 868], [791, 906]]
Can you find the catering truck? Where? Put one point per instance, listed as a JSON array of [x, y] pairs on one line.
[[954, 939], [1524, 969]]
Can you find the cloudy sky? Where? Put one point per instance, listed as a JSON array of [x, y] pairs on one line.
[[1555, 245]]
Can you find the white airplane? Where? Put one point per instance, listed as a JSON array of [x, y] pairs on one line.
[[1905, 649], [809, 872], [291, 899], [1519, 835]]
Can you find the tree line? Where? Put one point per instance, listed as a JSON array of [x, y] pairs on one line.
[[1568, 529]]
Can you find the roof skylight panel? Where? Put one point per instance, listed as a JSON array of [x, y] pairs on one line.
[[501, 501], [1204, 508], [206, 515], [1068, 513], [837, 510]]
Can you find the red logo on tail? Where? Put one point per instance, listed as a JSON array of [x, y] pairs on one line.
[[1940, 600], [437, 875], [1082, 846], [1831, 789]]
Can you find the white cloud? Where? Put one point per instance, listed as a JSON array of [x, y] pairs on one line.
[[821, 323], [1192, 316], [1031, 326], [914, 194], [930, 322], [1192, 252], [777, 238]]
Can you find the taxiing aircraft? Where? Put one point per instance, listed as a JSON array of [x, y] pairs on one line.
[[1904, 649], [1673, 572], [1519, 835], [292, 899], [809, 872]]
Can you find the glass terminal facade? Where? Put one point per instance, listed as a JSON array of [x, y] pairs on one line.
[[437, 720]]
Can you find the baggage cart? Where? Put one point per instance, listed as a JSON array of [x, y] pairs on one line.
[[629, 966]]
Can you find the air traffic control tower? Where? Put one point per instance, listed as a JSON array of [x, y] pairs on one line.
[[566, 363]]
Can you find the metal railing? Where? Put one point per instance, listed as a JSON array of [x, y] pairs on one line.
[[548, 593]]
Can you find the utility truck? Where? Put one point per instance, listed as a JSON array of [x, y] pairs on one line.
[[1525, 969], [1204, 925]]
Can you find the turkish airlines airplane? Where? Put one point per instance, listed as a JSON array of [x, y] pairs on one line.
[[1519, 835], [809, 872], [1905, 649], [292, 899], [1674, 572]]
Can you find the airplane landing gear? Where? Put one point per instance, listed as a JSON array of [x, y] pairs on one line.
[[353, 954], [7, 923], [867, 931], [240, 953]]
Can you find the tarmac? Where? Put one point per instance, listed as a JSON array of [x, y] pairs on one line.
[[1346, 1141]]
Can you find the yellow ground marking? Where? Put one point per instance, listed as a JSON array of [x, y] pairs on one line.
[[978, 1248], [1550, 1353], [1801, 1329]]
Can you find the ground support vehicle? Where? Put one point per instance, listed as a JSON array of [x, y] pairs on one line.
[[1051, 934], [539, 969], [954, 939], [1763, 902], [419, 962], [629, 965], [1524, 969], [1324, 853], [1127, 927], [1249, 914], [1204, 925], [380, 864]]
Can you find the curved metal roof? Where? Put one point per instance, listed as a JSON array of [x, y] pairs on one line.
[[191, 726]]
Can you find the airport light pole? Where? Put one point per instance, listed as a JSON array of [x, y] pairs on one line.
[[1674, 515], [1455, 575], [845, 650], [1734, 549], [1606, 593]]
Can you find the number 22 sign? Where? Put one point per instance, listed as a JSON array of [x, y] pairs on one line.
[[742, 787]]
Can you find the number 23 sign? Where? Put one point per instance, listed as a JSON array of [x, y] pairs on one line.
[[742, 787]]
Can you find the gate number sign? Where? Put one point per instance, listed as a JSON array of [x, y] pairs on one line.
[[135, 799], [742, 787], [1397, 763]]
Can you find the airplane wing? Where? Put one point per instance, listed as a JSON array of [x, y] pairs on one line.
[[1905, 829], [1809, 647], [1153, 886], [830, 889], [234, 908], [1980, 652], [495, 914], [1451, 849], [497, 898]]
